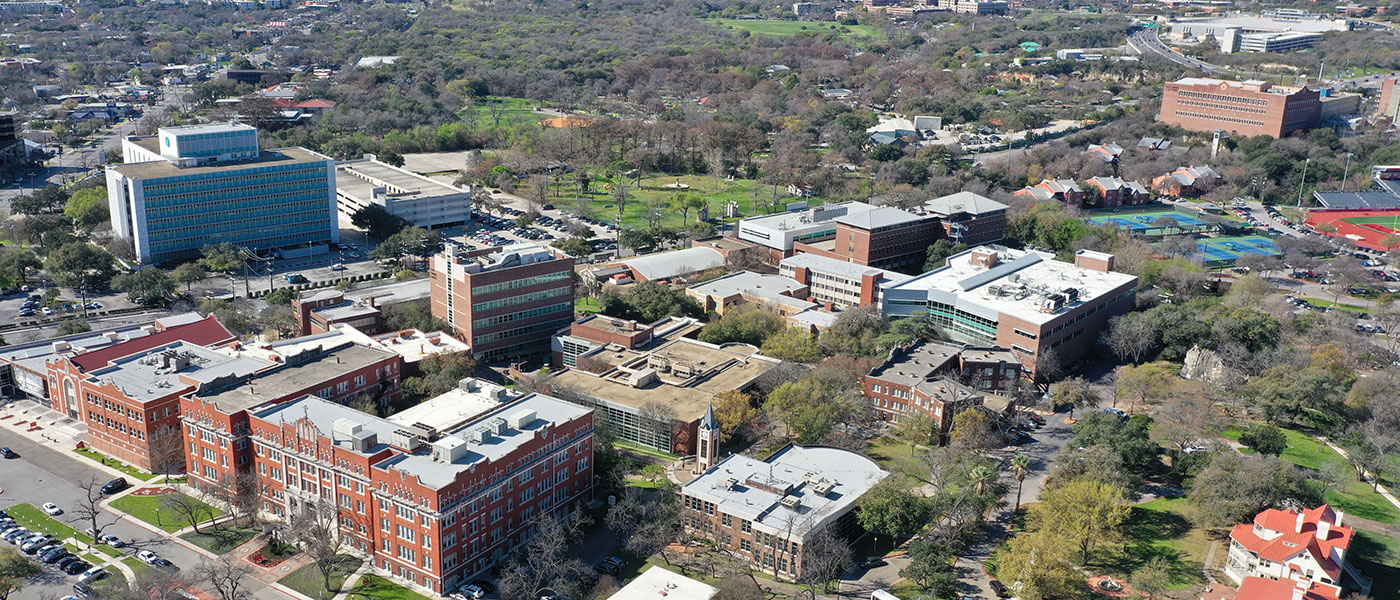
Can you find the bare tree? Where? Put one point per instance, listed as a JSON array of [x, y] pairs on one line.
[[657, 417], [316, 530], [825, 556], [167, 451], [227, 576], [240, 493], [545, 563], [188, 507], [647, 522], [87, 507], [149, 584]]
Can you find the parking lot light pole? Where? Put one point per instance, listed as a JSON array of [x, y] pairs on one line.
[[1346, 171], [1303, 182]]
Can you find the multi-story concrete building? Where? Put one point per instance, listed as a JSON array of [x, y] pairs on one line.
[[883, 237], [432, 496], [1241, 107], [653, 387], [979, 7], [1390, 99], [779, 232], [321, 311], [968, 218], [765, 511], [194, 185], [1023, 300], [506, 303], [777, 293], [941, 380], [1117, 192], [840, 283], [421, 201], [1309, 546], [1278, 41]]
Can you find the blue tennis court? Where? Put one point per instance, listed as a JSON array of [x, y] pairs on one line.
[[1222, 251], [1143, 221]]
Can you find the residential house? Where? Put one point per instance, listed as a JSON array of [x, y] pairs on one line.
[[1064, 191], [1310, 546], [1117, 192], [1185, 182]]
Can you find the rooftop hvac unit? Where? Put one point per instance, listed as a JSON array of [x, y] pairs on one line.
[[498, 426], [823, 488], [480, 435], [449, 449], [405, 439], [469, 384], [346, 427], [522, 419], [1071, 294], [812, 478], [790, 502], [731, 483], [424, 431], [362, 441]]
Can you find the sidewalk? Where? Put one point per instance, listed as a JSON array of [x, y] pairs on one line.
[[50, 428]]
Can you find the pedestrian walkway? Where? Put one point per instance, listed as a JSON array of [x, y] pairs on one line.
[[50, 428], [1381, 489]]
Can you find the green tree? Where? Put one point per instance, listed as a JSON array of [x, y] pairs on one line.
[[1153, 577], [188, 274], [811, 406], [855, 333], [72, 326], [649, 302], [1040, 566], [16, 265], [1075, 392], [939, 251], [1232, 488], [15, 571], [794, 344], [414, 241], [734, 409], [973, 429], [1020, 467], [441, 373], [377, 221], [88, 208], [223, 257], [931, 568], [81, 266], [918, 428], [892, 509], [575, 246], [146, 286], [743, 324], [281, 296], [1130, 439], [1082, 513]]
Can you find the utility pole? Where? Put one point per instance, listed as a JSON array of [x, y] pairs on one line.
[[1303, 181], [1346, 170]]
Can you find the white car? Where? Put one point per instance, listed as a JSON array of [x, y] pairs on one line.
[[52, 509], [337, 267], [146, 556], [1196, 449]]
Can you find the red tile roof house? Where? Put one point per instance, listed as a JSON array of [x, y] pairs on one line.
[[1065, 191], [1263, 588], [1116, 192], [1285, 544]]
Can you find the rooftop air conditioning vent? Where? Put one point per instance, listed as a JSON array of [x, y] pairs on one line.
[[790, 502]]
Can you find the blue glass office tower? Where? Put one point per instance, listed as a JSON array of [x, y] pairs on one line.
[[205, 184]]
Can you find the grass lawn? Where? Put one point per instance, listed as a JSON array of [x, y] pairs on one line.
[[512, 111], [630, 447], [1378, 556], [751, 196], [116, 464], [222, 538], [858, 34], [587, 306], [1353, 497], [31, 517], [897, 456], [148, 509], [1159, 529], [309, 582], [374, 586]]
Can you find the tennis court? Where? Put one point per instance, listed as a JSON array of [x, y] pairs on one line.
[[1223, 251], [1143, 222]]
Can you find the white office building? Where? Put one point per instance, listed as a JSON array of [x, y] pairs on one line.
[[779, 231], [419, 200]]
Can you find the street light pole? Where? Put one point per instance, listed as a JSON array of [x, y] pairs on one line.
[[1346, 170], [1303, 181]]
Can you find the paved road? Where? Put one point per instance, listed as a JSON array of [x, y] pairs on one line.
[[43, 473], [1146, 41]]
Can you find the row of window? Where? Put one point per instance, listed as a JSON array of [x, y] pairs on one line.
[[519, 331], [1221, 98], [524, 314], [1256, 111], [523, 282], [521, 299], [1182, 113]]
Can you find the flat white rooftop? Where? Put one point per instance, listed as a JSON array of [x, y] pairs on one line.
[[1017, 285], [657, 583], [800, 219]]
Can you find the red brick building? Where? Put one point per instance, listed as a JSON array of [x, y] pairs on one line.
[[215, 417], [1240, 107], [127, 407], [884, 237], [506, 303], [941, 380], [1064, 191], [430, 504], [1117, 192]]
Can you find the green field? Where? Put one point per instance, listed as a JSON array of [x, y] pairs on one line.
[[309, 582], [1159, 529], [1391, 222], [148, 509], [752, 197], [1352, 496], [510, 111], [852, 33]]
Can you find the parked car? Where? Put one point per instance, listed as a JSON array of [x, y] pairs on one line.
[[113, 541], [1116, 412], [472, 592], [52, 509], [53, 555], [115, 485], [998, 588], [485, 585], [8, 453], [871, 562], [78, 566], [146, 556], [92, 575], [610, 565]]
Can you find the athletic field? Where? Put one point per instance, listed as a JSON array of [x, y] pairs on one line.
[[1223, 251], [1142, 222], [1374, 229]]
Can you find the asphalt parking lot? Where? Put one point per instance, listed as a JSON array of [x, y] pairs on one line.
[[60, 307], [43, 474]]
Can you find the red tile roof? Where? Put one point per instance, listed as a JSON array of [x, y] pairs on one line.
[[1263, 588], [1292, 541], [204, 332], [315, 103]]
